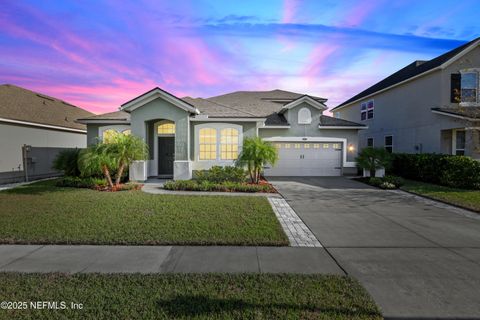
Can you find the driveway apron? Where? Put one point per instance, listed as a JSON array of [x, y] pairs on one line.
[[415, 259]]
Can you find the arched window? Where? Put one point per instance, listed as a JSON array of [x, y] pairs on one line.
[[229, 144], [127, 132], [166, 128], [304, 116], [207, 144], [107, 135]]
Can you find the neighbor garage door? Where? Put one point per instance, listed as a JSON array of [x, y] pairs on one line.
[[307, 159]]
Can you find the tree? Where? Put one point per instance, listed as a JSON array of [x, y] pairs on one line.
[[125, 149], [255, 154], [96, 160], [372, 159]]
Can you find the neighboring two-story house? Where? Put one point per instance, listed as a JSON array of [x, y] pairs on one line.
[[426, 107]]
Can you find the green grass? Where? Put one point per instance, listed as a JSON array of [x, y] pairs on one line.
[[45, 214], [188, 296], [469, 199]]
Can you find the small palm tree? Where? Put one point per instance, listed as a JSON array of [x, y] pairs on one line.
[[125, 149], [96, 160], [255, 154], [372, 159]]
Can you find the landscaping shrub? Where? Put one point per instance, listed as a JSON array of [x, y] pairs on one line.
[[387, 182], [67, 162], [218, 174], [227, 186], [77, 182], [396, 181], [373, 159], [448, 170]]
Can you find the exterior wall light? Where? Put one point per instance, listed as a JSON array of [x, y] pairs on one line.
[[351, 148]]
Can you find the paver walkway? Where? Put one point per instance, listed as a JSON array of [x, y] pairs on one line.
[[418, 259], [163, 259]]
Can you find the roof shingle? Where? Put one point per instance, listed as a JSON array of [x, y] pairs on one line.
[[24, 105]]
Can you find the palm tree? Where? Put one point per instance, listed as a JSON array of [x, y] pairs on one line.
[[255, 154], [372, 159], [125, 149], [95, 160]]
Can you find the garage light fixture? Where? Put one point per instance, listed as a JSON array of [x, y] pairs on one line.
[[351, 148]]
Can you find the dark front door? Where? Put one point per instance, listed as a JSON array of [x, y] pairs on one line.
[[166, 155]]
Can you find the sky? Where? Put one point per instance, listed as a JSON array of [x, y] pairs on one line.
[[100, 54]]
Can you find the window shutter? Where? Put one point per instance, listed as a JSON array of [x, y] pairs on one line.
[[455, 87]]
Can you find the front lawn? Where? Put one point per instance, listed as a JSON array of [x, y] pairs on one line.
[[46, 214], [187, 296], [469, 199]]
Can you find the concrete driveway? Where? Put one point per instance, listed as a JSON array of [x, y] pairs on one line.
[[416, 260]]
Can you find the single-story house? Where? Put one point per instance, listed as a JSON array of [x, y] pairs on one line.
[[188, 134], [43, 123]]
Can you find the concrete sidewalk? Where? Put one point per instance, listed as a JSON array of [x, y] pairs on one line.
[[163, 259]]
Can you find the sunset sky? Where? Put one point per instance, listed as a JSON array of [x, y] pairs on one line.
[[99, 54]]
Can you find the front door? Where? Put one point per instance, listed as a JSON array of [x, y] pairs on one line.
[[166, 155]]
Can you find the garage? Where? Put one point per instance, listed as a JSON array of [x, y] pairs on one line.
[[307, 159]]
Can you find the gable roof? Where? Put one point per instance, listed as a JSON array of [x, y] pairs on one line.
[[247, 104], [154, 94], [416, 68], [25, 106], [111, 117], [327, 121]]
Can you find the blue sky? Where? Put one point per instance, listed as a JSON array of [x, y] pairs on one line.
[[99, 54]]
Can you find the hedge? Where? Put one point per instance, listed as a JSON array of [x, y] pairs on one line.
[[193, 185], [448, 170]]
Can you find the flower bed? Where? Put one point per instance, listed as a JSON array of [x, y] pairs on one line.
[[95, 183], [226, 186], [387, 182]]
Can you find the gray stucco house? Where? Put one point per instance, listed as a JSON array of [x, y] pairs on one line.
[[188, 134], [426, 107]]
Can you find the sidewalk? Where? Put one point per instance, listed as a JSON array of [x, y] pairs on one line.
[[164, 259]]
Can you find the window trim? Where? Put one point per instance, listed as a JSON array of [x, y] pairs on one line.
[[454, 141], [366, 103], [217, 126], [477, 95], [373, 142], [306, 120], [385, 142]]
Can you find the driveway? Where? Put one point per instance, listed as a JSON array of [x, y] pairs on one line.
[[415, 259]]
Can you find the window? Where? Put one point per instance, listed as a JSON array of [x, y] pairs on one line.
[[366, 110], [208, 144], [278, 145], [338, 114], [460, 142], [363, 111], [127, 132], [297, 145], [370, 142], [370, 109], [336, 146], [316, 146], [287, 145], [166, 128], [469, 87], [326, 146], [389, 143], [108, 135], [306, 146], [228, 144], [304, 116]]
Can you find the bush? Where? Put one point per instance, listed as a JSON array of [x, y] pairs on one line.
[[387, 182], [372, 159], [448, 170], [67, 162], [375, 181], [218, 174], [77, 182], [396, 181], [227, 186]]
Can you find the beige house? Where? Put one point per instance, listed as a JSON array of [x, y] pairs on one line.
[[44, 123], [427, 107]]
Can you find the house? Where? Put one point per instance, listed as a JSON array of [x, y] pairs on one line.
[[426, 107], [45, 124], [189, 134]]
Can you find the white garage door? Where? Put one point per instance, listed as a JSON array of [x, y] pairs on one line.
[[307, 159]]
